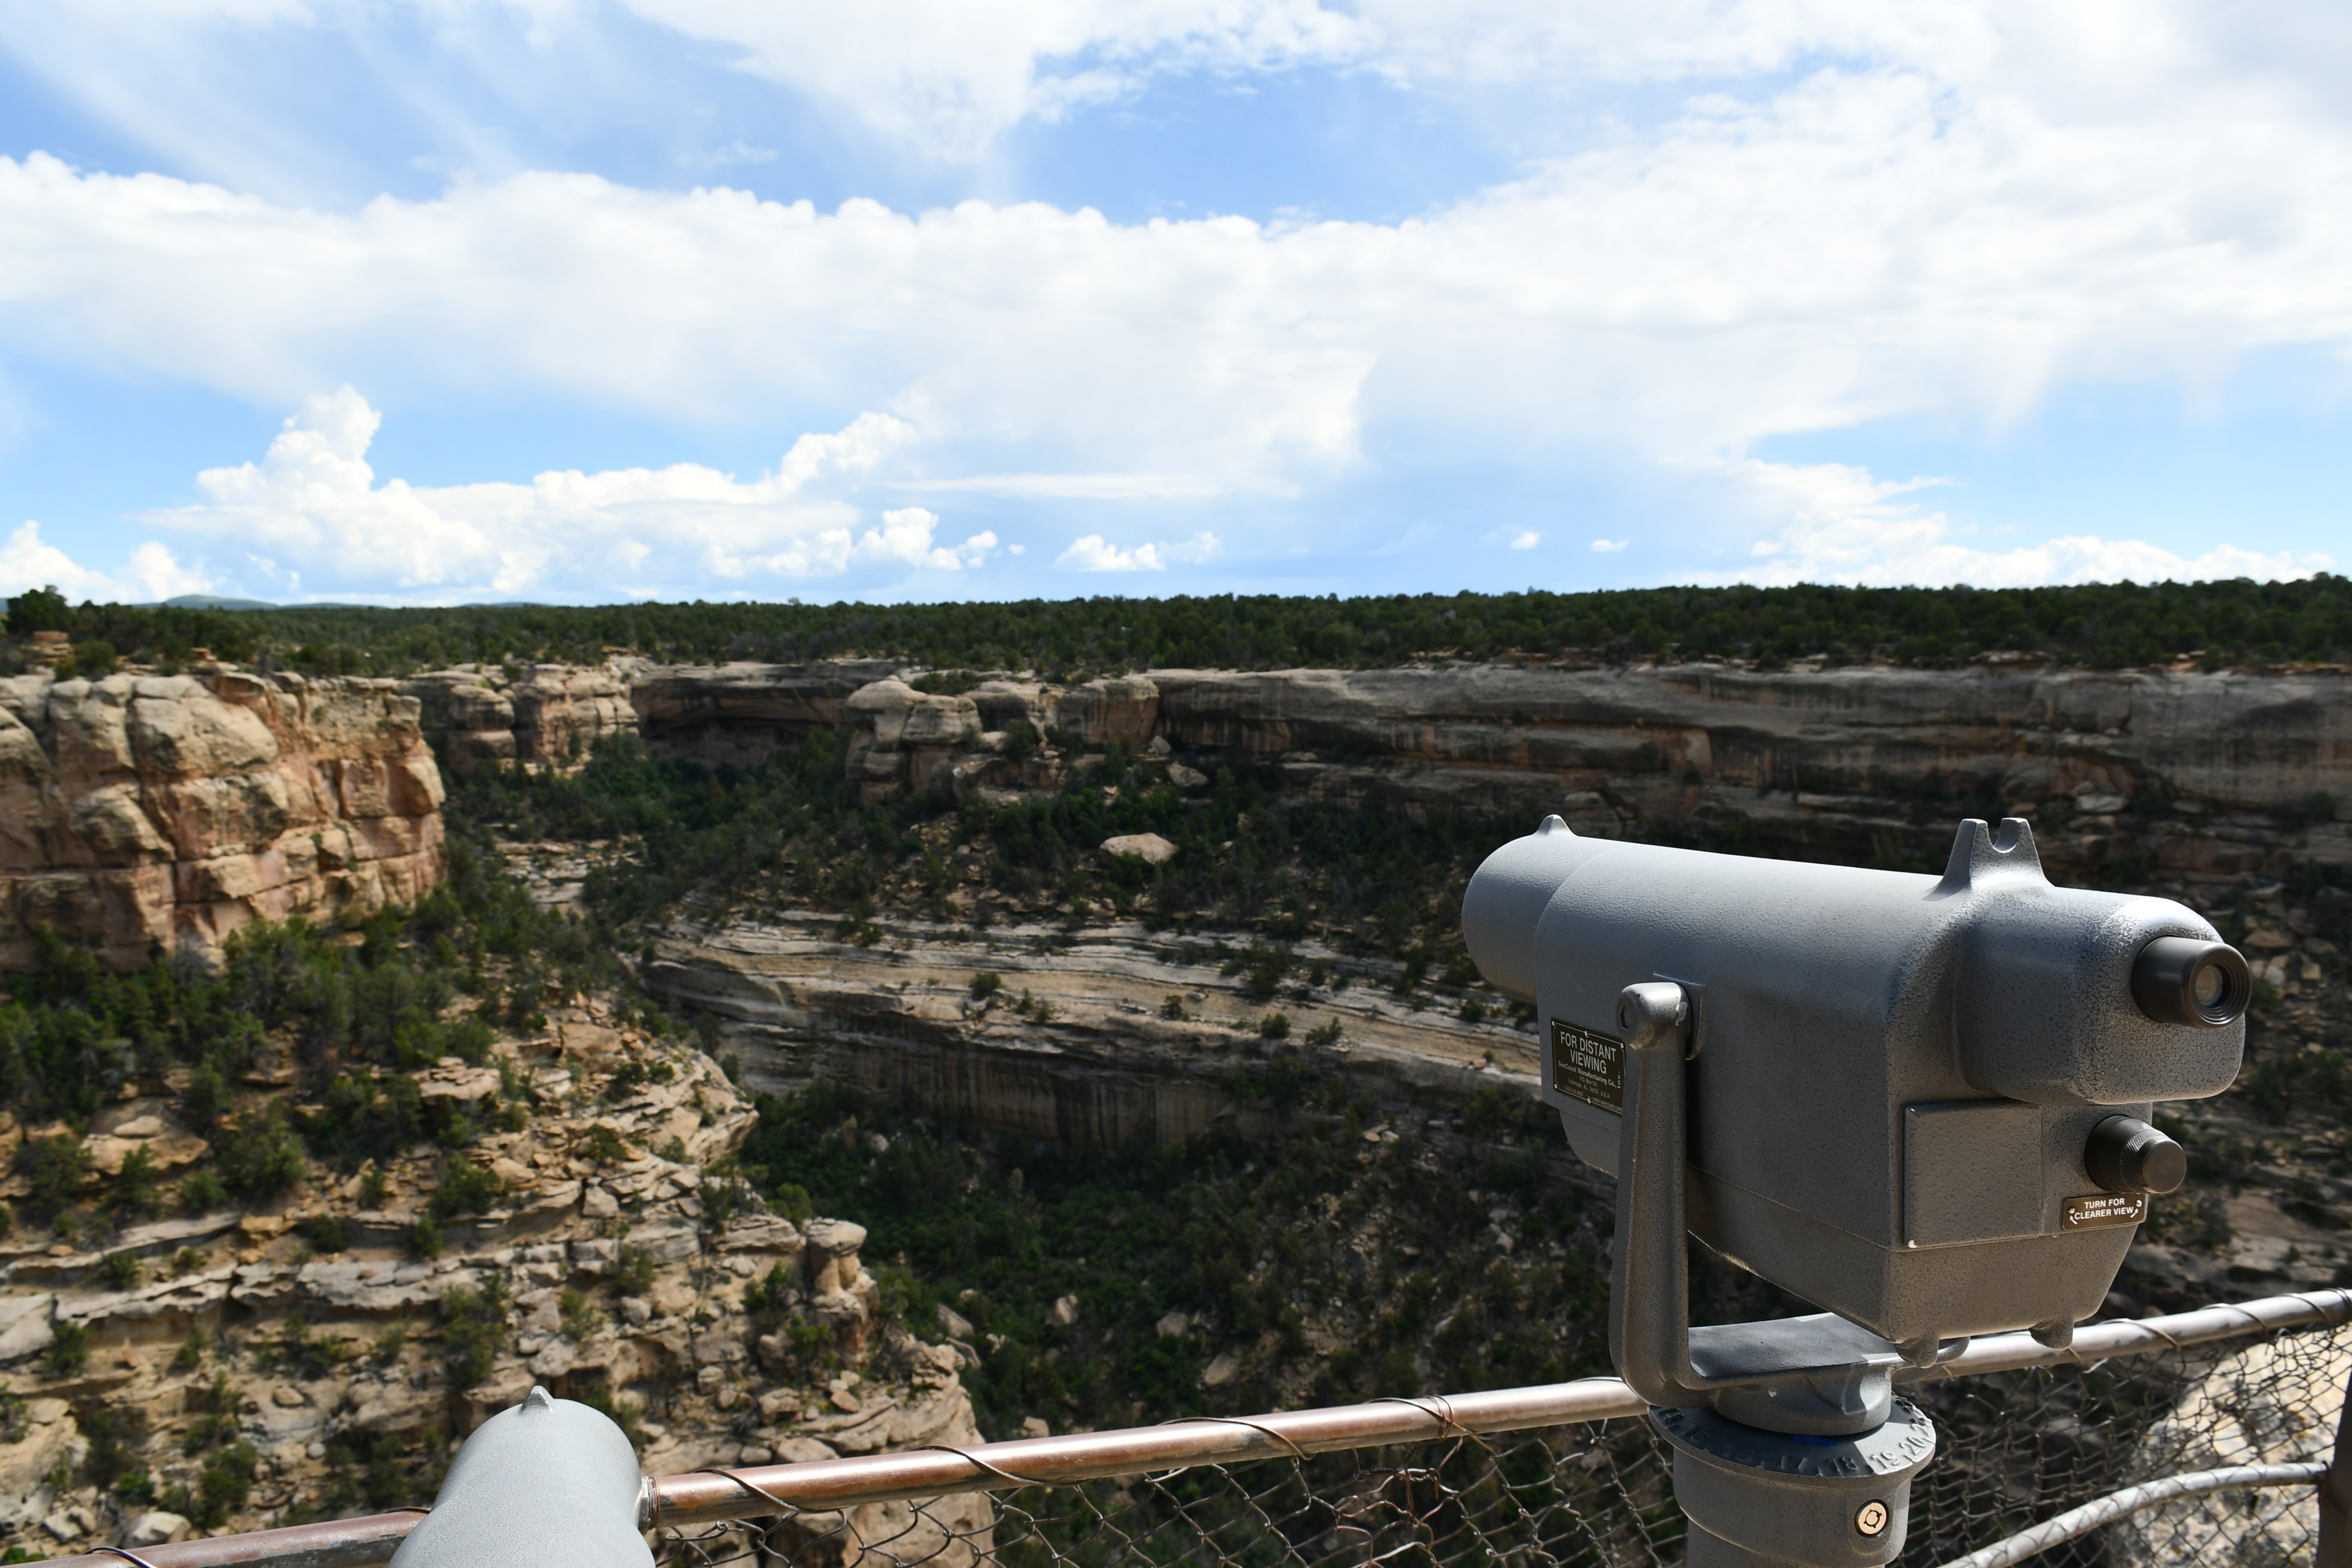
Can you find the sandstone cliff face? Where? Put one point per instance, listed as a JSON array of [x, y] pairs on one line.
[[547, 717], [146, 812], [738, 713], [1791, 756], [1794, 756]]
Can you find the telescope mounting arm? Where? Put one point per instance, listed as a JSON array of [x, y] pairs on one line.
[[1649, 1275], [1818, 1374]]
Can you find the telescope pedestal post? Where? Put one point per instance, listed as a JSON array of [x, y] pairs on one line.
[[1832, 1488], [1753, 1497]]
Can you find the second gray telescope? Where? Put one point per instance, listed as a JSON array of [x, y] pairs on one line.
[[1920, 1103]]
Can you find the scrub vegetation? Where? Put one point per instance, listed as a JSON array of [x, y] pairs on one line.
[[2104, 625]]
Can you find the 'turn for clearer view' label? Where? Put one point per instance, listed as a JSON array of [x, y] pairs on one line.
[[2103, 1208], [1588, 1066]]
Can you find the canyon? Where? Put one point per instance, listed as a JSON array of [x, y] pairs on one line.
[[2229, 790], [2213, 787], [146, 814]]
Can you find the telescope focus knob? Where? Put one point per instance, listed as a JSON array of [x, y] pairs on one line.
[[2126, 1155]]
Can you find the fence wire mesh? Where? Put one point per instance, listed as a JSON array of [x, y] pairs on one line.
[[2015, 1449]]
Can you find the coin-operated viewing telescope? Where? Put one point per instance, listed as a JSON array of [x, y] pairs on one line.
[[1920, 1103]]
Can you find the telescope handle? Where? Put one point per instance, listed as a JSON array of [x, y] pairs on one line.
[[1649, 1277]]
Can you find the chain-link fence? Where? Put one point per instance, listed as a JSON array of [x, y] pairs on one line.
[[2017, 1447], [1562, 1477]]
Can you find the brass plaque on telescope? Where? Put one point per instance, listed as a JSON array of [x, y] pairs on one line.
[[1588, 1066], [2104, 1209]]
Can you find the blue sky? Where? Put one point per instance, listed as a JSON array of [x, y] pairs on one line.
[[562, 300]]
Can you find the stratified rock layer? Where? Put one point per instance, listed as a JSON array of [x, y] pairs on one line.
[[1799, 757], [1795, 756], [140, 814]]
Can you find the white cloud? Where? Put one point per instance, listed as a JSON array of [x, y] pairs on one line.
[[905, 539], [1861, 212], [1841, 524], [1527, 540], [1077, 487], [1941, 225], [1092, 553], [151, 574], [735, 154], [949, 77], [313, 504], [1606, 546]]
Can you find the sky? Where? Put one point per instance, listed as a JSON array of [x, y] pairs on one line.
[[429, 301]]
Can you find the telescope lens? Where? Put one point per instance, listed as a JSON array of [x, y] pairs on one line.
[[2181, 980]]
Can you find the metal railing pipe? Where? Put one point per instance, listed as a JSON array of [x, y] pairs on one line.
[[709, 1496], [331, 1543], [705, 1497], [2105, 1510], [2144, 1336]]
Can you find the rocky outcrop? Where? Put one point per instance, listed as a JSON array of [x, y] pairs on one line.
[[2234, 740], [146, 812], [1124, 708], [621, 1262], [548, 716], [1800, 755], [904, 739]]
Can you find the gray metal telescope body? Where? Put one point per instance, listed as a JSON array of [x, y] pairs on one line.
[[547, 1483], [1892, 1077]]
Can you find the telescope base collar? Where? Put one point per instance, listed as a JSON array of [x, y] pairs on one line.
[[1754, 1497]]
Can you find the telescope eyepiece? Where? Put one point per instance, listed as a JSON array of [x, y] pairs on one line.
[[2181, 980], [2126, 1155]]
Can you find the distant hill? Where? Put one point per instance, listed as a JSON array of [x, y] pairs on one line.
[[213, 601]]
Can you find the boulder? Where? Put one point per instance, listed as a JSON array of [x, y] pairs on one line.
[[378, 1288], [26, 1325], [156, 1527], [762, 1233], [1147, 848], [165, 1151], [665, 1242], [452, 1079], [944, 1419]]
